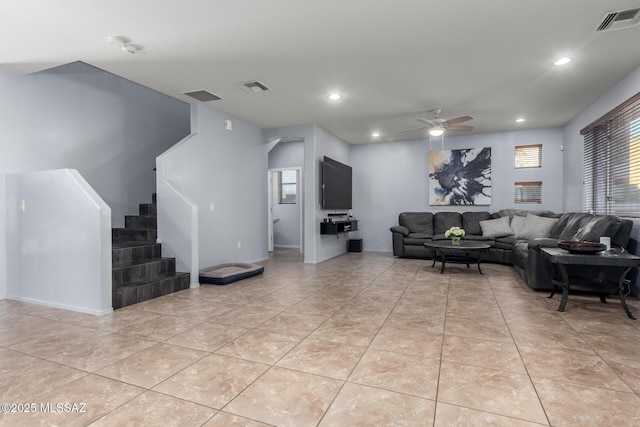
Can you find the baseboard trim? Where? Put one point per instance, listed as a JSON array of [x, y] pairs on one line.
[[62, 306]]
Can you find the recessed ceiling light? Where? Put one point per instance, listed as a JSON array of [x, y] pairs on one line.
[[375, 134], [520, 120], [334, 96], [562, 61]]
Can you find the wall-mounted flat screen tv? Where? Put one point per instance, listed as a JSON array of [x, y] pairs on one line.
[[336, 184]]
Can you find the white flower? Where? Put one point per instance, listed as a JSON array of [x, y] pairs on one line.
[[454, 232]]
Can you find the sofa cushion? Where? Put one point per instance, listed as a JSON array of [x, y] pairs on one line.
[[415, 241], [535, 226], [471, 222], [598, 226], [573, 223], [420, 236], [417, 222], [505, 242], [496, 227], [442, 221]]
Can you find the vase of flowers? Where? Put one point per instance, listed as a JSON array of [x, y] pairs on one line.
[[455, 233]]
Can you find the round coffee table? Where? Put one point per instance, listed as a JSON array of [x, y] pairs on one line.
[[467, 252]]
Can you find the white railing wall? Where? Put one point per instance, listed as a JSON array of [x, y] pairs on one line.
[[58, 241], [177, 219]]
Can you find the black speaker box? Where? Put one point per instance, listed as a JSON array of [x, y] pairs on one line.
[[355, 245]]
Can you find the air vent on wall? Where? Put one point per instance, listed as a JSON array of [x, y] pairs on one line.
[[202, 95], [253, 86], [620, 19]]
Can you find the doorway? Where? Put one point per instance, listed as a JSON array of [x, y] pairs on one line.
[[285, 208], [285, 194]]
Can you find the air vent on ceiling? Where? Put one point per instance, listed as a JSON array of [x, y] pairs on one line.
[[202, 95], [620, 19], [253, 87]]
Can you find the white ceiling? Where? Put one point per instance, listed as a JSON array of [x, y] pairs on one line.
[[391, 60]]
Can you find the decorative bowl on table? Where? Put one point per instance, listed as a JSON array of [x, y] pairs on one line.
[[581, 247]]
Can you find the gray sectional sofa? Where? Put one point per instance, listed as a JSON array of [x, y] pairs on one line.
[[517, 244]]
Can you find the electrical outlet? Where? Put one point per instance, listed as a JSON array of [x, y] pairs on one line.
[[239, 244]]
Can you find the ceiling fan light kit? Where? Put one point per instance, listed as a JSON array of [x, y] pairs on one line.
[[436, 131], [436, 127], [125, 44]]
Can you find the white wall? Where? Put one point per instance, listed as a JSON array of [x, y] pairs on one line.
[[8, 133], [108, 128], [59, 246], [227, 169], [286, 232], [390, 178]]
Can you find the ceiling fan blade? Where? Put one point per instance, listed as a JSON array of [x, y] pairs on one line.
[[459, 127], [429, 122], [410, 130], [459, 120]]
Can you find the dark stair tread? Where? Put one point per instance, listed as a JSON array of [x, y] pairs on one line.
[[148, 280], [132, 244], [140, 262]]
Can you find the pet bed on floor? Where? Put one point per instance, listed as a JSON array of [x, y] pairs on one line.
[[224, 274]]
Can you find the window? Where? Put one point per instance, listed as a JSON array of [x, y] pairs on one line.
[[611, 162], [287, 186], [528, 192], [528, 156]]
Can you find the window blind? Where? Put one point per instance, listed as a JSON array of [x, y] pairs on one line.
[[287, 186], [528, 192], [528, 156], [611, 162]]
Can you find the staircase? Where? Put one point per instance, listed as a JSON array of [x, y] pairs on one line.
[[139, 272]]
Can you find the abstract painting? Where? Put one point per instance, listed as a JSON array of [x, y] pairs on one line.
[[460, 177]]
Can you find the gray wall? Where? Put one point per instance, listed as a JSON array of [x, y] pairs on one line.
[[572, 183], [311, 230], [573, 141], [317, 144], [286, 232], [390, 178], [326, 144], [80, 117]]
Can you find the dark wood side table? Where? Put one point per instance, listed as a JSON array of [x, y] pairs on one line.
[[467, 252], [614, 263]]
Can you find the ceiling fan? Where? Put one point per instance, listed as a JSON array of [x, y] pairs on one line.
[[437, 126]]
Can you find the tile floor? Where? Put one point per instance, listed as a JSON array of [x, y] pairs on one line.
[[360, 340]]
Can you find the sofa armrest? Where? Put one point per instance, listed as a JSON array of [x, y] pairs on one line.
[[543, 242], [400, 229]]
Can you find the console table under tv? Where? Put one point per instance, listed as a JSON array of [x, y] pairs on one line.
[[337, 227]]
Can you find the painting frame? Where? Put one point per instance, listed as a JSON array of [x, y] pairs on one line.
[[460, 177]]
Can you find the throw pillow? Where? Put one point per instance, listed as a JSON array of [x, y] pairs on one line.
[[517, 222], [535, 226], [496, 227]]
